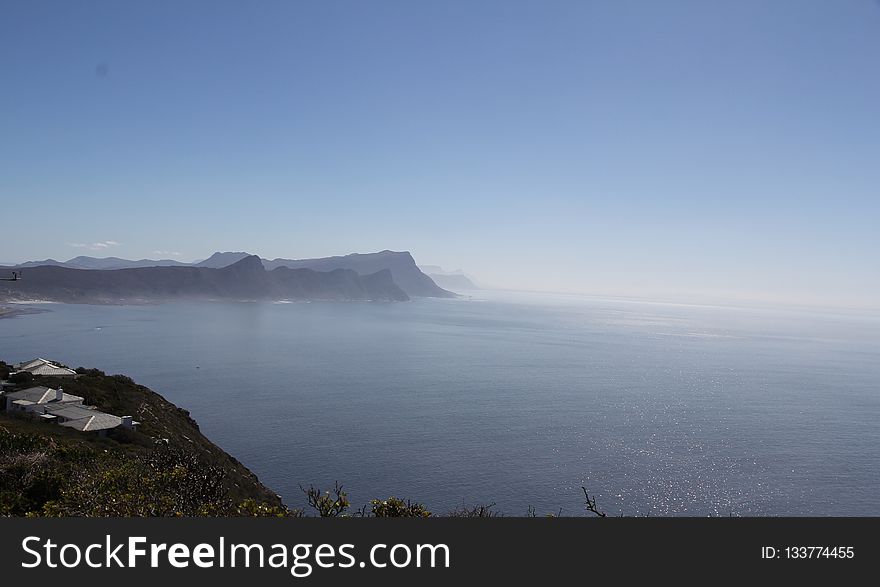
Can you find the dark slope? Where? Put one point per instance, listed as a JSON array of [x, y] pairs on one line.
[[219, 260], [165, 467], [401, 265], [244, 280]]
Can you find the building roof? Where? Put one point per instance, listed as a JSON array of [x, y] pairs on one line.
[[31, 363], [52, 371], [84, 419], [42, 395], [99, 421], [71, 412], [68, 409], [45, 367]]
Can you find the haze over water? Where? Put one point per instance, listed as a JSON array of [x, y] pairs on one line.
[[517, 399]]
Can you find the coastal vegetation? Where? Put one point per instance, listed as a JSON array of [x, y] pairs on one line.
[[165, 467]]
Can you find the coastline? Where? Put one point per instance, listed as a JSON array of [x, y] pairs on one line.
[[11, 312], [159, 301]]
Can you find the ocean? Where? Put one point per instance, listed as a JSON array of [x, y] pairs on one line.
[[512, 399]]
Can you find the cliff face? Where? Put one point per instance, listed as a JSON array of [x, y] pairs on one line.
[[401, 265], [246, 279], [164, 467], [219, 260]]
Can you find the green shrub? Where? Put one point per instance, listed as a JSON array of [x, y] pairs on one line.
[[22, 378], [327, 505], [394, 507]]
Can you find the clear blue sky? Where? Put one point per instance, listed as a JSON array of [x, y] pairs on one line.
[[675, 148]]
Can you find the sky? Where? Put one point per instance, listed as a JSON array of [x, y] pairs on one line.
[[677, 149]]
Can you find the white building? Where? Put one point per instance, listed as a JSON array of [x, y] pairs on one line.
[[53, 405], [45, 367], [34, 399], [85, 419]]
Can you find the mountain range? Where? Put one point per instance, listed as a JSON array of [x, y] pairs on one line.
[[84, 262], [386, 275], [246, 279]]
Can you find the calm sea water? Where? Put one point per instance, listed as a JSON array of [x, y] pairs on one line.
[[516, 399]]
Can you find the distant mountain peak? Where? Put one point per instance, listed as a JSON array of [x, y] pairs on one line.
[[224, 259], [247, 262]]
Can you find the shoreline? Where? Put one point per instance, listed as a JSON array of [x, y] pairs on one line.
[[5, 305], [7, 312]]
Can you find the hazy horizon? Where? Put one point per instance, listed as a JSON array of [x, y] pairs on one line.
[[674, 150], [704, 298]]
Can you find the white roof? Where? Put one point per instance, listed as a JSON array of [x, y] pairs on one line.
[[52, 370], [84, 419], [99, 421], [42, 395], [46, 367], [69, 409], [32, 363], [71, 412]]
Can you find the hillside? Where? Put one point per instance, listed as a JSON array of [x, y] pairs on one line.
[[245, 280], [402, 266], [404, 271], [219, 260], [165, 467]]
